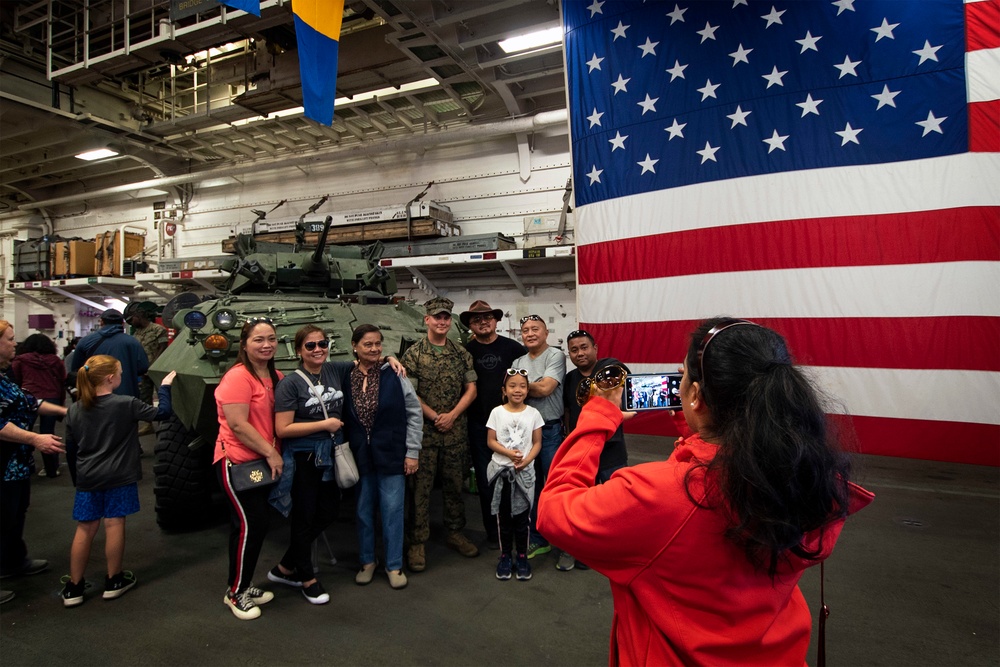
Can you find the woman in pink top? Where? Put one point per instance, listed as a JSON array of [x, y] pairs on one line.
[[245, 403]]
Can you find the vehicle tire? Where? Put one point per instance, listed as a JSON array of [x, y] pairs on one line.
[[183, 479]]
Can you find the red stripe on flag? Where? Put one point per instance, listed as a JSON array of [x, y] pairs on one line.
[[984, 127], [948, 235], [956, 442], [982, 25], [951, 343]]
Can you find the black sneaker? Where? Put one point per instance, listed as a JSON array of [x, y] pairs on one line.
[[504, 567], [72, 594], [28, 567], [523, 568], [116, 586], [277, 576], [315, 594], [242, 606]]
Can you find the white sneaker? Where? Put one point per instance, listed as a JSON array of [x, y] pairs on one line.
[[243, 606]]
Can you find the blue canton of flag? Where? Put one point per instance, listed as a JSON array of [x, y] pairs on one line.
[[666, 94]]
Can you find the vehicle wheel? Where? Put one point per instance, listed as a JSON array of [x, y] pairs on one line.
[[183, 478]]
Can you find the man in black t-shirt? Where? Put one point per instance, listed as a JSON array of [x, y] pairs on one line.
[[492, 354], [583, 353]]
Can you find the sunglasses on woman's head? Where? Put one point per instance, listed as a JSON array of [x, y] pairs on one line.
[[311, 345], [606, 379]]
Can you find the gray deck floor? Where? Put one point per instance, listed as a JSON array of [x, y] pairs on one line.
[[915, 580]]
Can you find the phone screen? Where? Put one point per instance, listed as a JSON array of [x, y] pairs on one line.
[[653, 391]]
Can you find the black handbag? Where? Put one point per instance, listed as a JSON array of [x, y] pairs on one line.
[[250, 475]]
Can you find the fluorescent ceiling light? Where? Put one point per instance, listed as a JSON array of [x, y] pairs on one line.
[[532, 40], [98, 154]]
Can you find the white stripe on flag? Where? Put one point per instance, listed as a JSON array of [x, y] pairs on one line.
[[905, 290], [967, 179], [983, 75]]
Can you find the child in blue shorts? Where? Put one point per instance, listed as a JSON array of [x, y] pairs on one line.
[[105, 429]]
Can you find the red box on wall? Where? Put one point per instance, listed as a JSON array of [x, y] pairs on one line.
[[43, 321]]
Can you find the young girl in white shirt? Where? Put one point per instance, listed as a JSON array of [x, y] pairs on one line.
[[515, 435]]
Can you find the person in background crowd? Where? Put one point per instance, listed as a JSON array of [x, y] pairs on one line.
[[515, 436], [17, 412], [492, 354], [709, 545], [445, 381], [245, 403], [582, 351], [41, 373], [104, 429], [153, 338], [112, 340], [546, 368], [384, 423], [68, 351]]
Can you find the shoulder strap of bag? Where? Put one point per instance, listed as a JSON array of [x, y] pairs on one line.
[[310, 382]]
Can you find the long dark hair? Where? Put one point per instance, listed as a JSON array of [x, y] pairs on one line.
[[241, 357], [39, 343], [779, 472]]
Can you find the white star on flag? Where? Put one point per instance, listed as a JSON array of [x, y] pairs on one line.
[[932, 124], [708, 90], [774, 78], [676, 130], [647, 165], [927, 53], [884, 30], [844, 5], [809, 43], [810, 105], [773, 17], [740, 55], [775, 142], [708, 32], [847, 67], [620, 84], [677, 71], [708, 153], [595, 175], [648, 49], [677, 15], [594, 63], [739, 117], [886, 97], [617, 142], [648, 104], [849, 134], [595, 8], [619, 31], [595, 118]]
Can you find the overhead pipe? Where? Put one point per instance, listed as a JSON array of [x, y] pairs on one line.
[[402, 145]]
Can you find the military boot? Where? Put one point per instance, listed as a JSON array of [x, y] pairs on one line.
[[415, 558], [460, 543]]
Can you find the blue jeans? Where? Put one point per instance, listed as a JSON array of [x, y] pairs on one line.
[[551, 439], [390, 490]]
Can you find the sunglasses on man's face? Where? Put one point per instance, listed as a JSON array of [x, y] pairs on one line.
[[477, 319], [606, 379], [311, 345]]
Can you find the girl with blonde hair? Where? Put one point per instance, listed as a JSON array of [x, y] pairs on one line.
[[104, 427]]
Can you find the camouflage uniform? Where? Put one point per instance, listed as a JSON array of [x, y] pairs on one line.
[[439, 377], [151, 338]]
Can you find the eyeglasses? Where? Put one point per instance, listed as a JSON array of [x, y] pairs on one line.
[[311, 345], [259, 320], [476, 319], [579, 333], [606, 379], [527, 318], [517, 371], [712, 333]]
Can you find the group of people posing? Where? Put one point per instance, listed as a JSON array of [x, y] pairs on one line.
[[704, 550]]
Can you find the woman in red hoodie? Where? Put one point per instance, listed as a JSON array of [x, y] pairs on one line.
[[704, 551], [40, 372]]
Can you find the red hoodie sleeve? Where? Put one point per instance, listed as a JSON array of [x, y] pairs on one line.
[[629, 511]]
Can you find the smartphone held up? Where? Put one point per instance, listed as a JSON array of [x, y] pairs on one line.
[[653, 391]]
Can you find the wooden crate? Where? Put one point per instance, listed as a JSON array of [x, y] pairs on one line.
[[359, 234], [108, 253], [73, 258]]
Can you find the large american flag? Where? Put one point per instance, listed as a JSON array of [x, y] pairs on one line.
[[829, 169]]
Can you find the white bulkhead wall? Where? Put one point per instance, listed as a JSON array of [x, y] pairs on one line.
[[481, 183]]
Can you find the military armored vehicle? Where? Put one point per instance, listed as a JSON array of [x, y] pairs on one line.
[[335, 288]]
